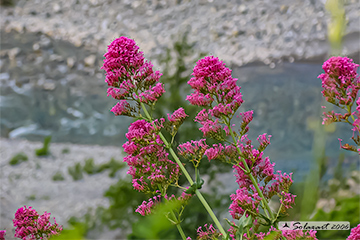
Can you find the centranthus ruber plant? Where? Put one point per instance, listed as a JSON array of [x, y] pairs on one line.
[[341, 85], [155, 166]]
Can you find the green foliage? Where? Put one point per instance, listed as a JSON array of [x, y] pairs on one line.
[[113, 166], [310, 195], [346, 210], [18, 158], [58, 177], [75, 233], [123, 202], [44, 151], [32, 197], [7, 3], [91, 168], [65, 151], [76, 172], [156, 225]]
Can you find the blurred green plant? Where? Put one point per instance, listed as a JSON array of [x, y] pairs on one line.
[[7, 3], [76, 172], [44, 151], [65, 151], [32, 197], [310, 194], [123, 202], [90, 167], [346, 209], [18, 158], [77, 232], [113, 165], [156, 225], [58, 177], [337, 26]]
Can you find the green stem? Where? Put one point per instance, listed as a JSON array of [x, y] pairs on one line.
[[211, 213], [178, 226], [253, 180], [349, 110], [188, 177], [181, 231]]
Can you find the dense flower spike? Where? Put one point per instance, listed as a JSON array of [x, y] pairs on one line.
[[341, 85], [30, 225], [355, 233], [340, 81], [149, 164], [213, 84], [216, 89], [129, 76]]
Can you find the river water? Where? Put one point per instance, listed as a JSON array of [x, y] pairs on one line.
[[51, 89]]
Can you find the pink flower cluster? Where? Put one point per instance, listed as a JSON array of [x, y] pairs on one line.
[[178, 116], [244, 200], [270, 183], [193, 151], [355, 233], [341, 85], [30, 225], [147, 157], [176, 119], [209, 233], [129, 76], [340, 82], [288, 234], [212, 82], [2, 234], [146, 207]]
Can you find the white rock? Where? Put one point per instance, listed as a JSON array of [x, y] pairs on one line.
[[90, 60], [70, 61]]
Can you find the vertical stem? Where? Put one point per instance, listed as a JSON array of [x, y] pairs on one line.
[[178, 226], [181, 231], [183, 169], [211, 213]]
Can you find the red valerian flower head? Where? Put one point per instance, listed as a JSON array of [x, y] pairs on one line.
[[129, 76]]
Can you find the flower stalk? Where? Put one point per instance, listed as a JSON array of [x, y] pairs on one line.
[[187, 175]]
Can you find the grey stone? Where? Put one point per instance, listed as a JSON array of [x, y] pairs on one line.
[[90, 60]]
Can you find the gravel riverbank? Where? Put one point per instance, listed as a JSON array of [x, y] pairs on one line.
[[236, 31], [30, 182]]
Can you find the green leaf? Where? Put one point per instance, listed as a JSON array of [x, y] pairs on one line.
[[191, 189]]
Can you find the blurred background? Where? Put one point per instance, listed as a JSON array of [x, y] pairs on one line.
[[51, 85]]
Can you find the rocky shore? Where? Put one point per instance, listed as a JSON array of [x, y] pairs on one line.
[[31, 182], [237, 31]]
